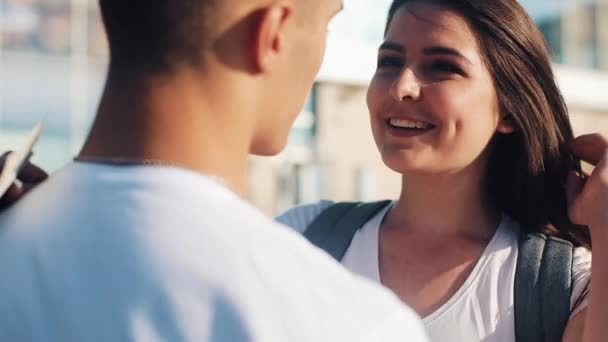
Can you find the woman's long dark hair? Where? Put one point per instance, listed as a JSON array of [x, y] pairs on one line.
[[527, 170]]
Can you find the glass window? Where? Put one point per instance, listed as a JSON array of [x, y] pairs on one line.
[[551, 28], [304, 128], [41, 26], [52, 56], [571, 29]]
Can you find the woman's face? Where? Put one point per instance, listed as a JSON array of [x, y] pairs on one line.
[[432, 102]]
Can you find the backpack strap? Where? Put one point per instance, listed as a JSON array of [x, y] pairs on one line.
[[334, 229], [543, 286]]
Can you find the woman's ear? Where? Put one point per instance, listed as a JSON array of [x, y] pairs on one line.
[[506, 125]]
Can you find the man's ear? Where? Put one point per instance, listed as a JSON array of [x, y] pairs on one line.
[[269, 39], [506, 125]]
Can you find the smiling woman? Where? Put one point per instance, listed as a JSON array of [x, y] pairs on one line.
[[464, 105], [468, 83]]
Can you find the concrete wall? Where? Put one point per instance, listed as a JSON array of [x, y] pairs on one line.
[[347, 151]]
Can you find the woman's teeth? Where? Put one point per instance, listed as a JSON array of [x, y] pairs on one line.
[[402, 123]]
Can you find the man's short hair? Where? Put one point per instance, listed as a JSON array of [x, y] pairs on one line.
[[155, 34]]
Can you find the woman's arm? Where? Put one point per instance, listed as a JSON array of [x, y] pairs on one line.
[[589, 206], [596, 323], [576, 327], [591, 324]]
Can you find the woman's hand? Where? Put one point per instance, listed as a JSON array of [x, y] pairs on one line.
[[589, 206], [29, 177], [589, 198]]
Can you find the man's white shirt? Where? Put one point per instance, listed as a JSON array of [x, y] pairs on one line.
[[107, 253]]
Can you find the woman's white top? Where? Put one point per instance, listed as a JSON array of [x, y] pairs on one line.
[[482, 309]]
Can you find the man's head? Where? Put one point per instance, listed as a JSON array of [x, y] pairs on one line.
[[260, 56], [156, 34]]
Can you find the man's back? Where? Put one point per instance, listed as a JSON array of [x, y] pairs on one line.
[[101, 253]]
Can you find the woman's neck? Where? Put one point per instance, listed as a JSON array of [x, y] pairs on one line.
[[451, 204]]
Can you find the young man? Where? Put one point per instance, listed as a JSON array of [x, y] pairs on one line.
[[145, 237]]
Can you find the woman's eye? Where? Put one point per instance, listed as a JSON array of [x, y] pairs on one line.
[[389, 62], [446, 67]]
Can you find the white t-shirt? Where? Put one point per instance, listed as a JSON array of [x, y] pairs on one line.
[[103, 253], [482, 309]]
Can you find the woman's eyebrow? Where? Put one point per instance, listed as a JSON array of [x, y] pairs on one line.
[[444, 50], [392, 46], [429, 51]]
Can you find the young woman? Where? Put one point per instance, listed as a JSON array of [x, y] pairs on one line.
[[465, 107]]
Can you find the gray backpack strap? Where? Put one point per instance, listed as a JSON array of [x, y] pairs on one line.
[[543, 286], [334, 229]]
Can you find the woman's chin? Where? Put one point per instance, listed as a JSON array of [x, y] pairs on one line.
[[406, 163]]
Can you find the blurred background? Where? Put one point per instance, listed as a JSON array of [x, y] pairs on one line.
[[53, 57]]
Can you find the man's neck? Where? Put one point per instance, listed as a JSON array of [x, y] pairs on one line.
[[174, 121]]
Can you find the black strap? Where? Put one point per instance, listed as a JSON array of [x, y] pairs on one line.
[[543, 286], [334, 229]]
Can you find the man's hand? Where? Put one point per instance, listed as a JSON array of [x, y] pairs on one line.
[[30, 176]]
